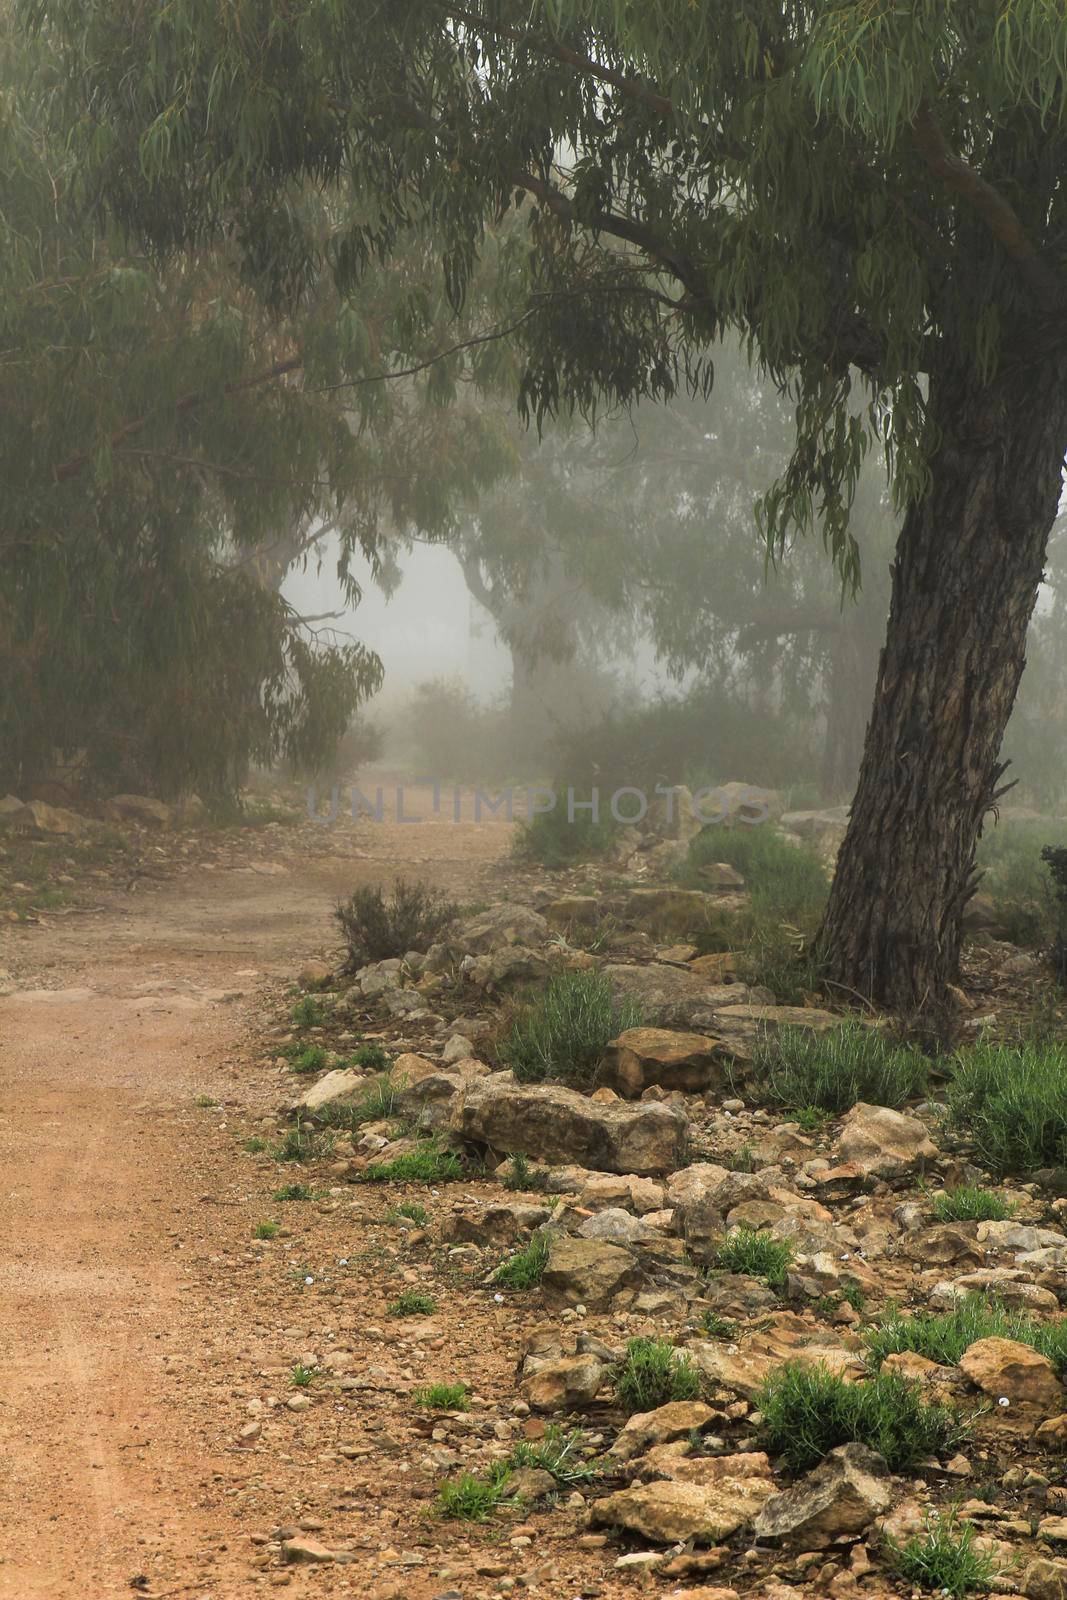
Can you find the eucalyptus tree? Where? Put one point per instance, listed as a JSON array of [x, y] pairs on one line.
[[165, 456], [870, 194]]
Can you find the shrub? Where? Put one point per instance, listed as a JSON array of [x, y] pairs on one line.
[[555, 842], [371, 1056], [652, 1373], [413, 1303], [469, 1498], [526, 1268], [755, 1254], [442, 1397], [1055, 860], [831, 1071], [308, 1012], [778, 957], [523, 1178], [1012, 1104], [970, 1203], [943, 1558], [944, 1336], [808, 1411], [558, 1453], [784, 881], [1022, 890], [376, 929], [430, 1164], [562, 1032], [312, 1058], [295, 1191]]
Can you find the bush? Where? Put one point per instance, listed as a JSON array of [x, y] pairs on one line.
[[376, 929], [832, 1071], [970, 1203], [943, 1337], [784, 881], [308, 1012], [526, 1268], [943, 1558], [652, 1374], [371, 1056], [755, 1254], [808, 1411], [1017, 882], [1012, 1105], [561, 1034], [554, 842], [312, 1058], [1055, 860]]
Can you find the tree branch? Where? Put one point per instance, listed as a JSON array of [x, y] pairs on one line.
[[996, 212]]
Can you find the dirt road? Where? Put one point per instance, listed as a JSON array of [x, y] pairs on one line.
[[122, 1214]]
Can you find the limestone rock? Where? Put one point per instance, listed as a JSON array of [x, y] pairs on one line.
[[587, 1272], [672, 1421], [509, 964], [670, 1513], [839, 1499], [641, 1057], [1013, 1286], [668, 910], [568, 1384], [341, 1084], [617, 1226], [140, 808], [630, 1193], [673, 997], [15, 813], [549, 1123], [1044, 1580], [56, 821], [573, 911], [883, 1142], [1007, 1369], [499, 1224], [498, 926], [306, 1549]]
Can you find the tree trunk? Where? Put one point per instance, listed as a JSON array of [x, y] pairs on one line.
[[968, 565]]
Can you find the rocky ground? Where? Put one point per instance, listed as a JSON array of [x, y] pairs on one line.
[[233, 1354]]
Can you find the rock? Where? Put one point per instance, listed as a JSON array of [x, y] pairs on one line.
[[944, 1244], [432, 1094], [669, 1512], [673, 816], [530, 1484], [748, 803], [313, 975], [306, 1548], [340, 1084], [587, 1272], [605, 1190], [1012, 1286], [139, 808], [568, 1384], [751, 1018], [511, 964], [499, 926], [1017, 1236], [839, 1499], [1006, 1369], [671, 996], [1044, 1580], [498, 1224], [617, 1226], [883, 1142], [573, 911], [55, 821], [550, 1123], [668, 910], [457, 1049], [823, 830], [641, 1057], [672, 1421], [699, 1181], [1052, 1435], [720, 875], [15, 813]]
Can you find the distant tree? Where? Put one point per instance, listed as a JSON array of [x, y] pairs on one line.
[[870, 194]]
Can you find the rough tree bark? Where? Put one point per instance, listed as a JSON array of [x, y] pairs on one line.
[[966, 573]]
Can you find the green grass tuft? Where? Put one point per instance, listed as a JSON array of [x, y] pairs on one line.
[[312, 1058], [469, 1498], [295, 1191], [943, 1559], [526, 1268], [785, 882], [829, 1072], [412, 1211], [944, 1336], [561, 1033], [430, 1164], [442, 1397], [755, 1254], [970, 1203], [413, 1303], [308, 1012], [371, 1056], [1011, 1102], [523, 1178], [808, 1411], [554, 842], [559, 1453], [296, 1145], [654, 1372], [301, 1376], [266, 1230]]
